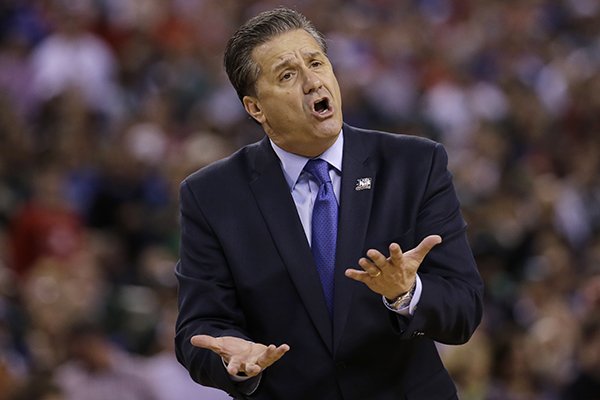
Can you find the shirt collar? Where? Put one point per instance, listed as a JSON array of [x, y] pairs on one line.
[[293, 164]]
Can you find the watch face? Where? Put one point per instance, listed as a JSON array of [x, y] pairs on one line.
[[404, 300], [401, 303]]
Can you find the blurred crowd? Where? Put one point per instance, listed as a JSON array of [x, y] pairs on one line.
[[106, 105]]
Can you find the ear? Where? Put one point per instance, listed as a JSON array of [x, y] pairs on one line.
[[252, 106]]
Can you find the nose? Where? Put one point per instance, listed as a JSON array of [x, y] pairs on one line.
[[312, 81]]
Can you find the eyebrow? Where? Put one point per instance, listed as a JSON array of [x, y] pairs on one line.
[[290, 60], [282, 64], [313, 54]]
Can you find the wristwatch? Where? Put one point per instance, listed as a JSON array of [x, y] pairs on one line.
[[401, 301]]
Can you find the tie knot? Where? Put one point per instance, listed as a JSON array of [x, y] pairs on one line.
[[319, 169]]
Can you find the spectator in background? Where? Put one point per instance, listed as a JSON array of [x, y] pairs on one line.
[[98, 370], [46, 226], [38, 388], [586, 382], [74, 59], [162, 367]]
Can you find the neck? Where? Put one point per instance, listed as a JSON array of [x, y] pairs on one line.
[[309, 150]]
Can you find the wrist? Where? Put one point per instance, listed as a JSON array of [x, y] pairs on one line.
[[402, 300]]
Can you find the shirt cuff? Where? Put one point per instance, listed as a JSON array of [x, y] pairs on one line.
[[410, 309]]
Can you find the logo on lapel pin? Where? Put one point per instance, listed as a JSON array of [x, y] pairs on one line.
[[363, 184]]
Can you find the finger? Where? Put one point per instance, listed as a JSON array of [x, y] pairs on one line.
[[369, 267], [206, 342], [425, 247], [267, 357], [359, 276], [252, 369], [395, 254], [234, 365], [272, 354], [378, 259], [275, 353]]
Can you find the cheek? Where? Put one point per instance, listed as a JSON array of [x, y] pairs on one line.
[[279, 114], [286, 102], [336, 88]]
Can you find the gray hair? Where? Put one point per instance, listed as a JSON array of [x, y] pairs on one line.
[[240, 67]]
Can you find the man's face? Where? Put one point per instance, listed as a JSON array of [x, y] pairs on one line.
[[298, 101]]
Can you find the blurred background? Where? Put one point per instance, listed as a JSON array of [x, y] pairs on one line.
[[106, 105]]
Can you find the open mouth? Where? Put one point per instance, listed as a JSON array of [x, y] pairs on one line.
[[321, 106]]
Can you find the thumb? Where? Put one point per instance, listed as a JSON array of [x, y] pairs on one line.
[[206, 342], [425, 246]]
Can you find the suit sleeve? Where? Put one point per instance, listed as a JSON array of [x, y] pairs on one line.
[[450, 307], [207, 299]]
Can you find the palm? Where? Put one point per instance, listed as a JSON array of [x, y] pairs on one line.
[[241, 355], [236, 347]]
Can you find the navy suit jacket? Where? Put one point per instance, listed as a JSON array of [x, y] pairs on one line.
[[246, 270]]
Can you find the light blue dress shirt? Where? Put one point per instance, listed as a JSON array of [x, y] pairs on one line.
[[304, 191], [303, 187]]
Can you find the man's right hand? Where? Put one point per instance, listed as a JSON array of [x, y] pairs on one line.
[[240, 355]]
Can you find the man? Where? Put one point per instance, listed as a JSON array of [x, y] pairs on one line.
[[293, 281]]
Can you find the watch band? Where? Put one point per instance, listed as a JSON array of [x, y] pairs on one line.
[[401, 301]]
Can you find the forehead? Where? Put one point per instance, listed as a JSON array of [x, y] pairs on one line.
[[286, 46]]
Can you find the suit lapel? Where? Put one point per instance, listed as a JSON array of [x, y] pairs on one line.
[[355, 209], [277, 207]]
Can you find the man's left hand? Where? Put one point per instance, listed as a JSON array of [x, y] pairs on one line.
[[394, 275]]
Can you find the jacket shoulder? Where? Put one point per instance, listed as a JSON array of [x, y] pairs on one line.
[[394, 144]]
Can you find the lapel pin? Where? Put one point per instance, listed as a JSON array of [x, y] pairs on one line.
[[363, 184]]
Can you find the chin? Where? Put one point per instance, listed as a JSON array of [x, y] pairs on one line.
[[329, 128]]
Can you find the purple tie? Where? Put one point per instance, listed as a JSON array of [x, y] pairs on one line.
[[324, 227]]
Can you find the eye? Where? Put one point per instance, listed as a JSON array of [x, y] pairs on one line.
[[316, 63], [286, 76]]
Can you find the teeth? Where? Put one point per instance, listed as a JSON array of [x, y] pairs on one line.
[[321, 105]]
